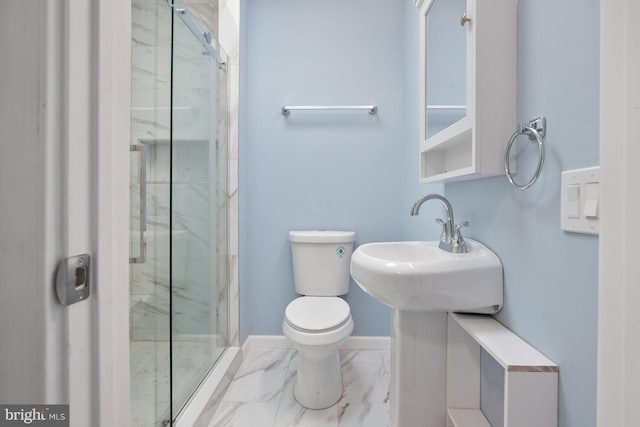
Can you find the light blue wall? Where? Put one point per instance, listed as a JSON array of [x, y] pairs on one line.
[[551, 277], [423, 226], [317, 170]]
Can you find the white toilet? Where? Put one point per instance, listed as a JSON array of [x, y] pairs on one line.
[[319, 322]]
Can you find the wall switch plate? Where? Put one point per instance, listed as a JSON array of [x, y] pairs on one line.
[[580, 200]]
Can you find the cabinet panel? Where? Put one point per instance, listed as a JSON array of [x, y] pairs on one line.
[[467, 87]]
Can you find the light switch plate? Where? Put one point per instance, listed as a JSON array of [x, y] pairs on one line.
[[583, 217]]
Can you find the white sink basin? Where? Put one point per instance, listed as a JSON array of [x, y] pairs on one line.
[[419, 276]]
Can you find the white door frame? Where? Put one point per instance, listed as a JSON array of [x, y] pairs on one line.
[[619, 272], [113, 103], [64, 188]]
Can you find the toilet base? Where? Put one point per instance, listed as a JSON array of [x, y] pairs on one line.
[[319, 380], [319, 375]]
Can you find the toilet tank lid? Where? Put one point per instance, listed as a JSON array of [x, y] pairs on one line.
[[322, 236]]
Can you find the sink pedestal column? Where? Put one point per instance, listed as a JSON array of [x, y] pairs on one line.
[[418, 369]]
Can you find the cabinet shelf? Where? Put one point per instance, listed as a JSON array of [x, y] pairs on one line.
[[450, 136], [466, 418], [448, 155]]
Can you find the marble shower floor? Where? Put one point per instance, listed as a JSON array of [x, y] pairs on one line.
[[149, 376], [261, 393]]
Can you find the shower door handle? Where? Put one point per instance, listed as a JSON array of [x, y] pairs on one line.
[[142, 177]]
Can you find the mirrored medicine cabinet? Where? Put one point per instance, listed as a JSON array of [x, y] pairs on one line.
[[467, 87]]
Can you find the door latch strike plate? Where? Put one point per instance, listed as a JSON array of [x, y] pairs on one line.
[[73, 278]]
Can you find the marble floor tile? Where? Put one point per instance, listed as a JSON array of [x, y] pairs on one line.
[[364, 381], [354, 355], [291, 413], [363, 415], [261, 376], [261, 393], [386, 359], [244, 414], [302, 417], [149, 382]]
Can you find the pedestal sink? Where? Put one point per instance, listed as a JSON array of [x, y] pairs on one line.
[[422, 282]]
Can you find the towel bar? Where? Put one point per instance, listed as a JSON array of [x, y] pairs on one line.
[[286, 110]]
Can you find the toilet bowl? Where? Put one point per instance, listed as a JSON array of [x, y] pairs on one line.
[[318, 323], [317, 340]]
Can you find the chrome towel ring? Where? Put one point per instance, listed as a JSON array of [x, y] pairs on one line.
[[536, 130]]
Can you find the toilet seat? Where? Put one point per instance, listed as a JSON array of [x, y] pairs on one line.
[[317, 314]]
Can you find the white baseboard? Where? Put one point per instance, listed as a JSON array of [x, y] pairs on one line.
[[280, 341]]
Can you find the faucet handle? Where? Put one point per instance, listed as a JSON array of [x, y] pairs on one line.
[[459, 226], [443, 235], [458, 241]]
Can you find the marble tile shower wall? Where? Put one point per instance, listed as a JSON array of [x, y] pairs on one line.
[[228, 16], [206, 13], [191, 189]]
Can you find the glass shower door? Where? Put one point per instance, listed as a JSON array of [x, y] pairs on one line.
[[178, 254], [199, 320], [149, 271]]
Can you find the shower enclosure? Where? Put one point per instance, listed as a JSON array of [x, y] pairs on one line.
[[178, 254]]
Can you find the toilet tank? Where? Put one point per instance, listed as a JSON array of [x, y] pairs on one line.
[[321, 261]]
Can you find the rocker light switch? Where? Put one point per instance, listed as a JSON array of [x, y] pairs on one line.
[[573, 201], [591, 200], [579, 200]]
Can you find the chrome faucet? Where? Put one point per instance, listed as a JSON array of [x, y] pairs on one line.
[[451, 239]]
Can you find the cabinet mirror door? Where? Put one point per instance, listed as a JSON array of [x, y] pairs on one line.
[[445, 64]]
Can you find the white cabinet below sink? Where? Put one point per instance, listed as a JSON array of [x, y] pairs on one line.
[[530, 388]]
